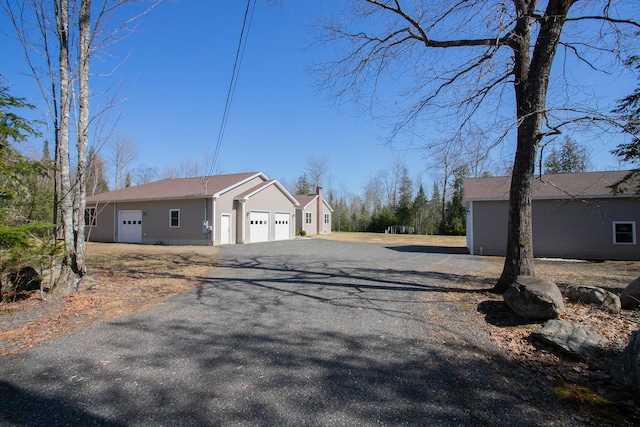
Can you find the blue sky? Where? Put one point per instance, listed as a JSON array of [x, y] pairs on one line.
[[176, 80]]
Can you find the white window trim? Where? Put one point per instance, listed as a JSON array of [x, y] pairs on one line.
[[633, 232], [170, 212], [93, 219], [308, 218], [327, 218]]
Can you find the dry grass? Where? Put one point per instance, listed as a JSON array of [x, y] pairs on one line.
[[122, 279], [397, 239]]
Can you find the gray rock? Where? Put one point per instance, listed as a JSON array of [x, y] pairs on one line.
[[534, 298], [630, 296], [626, 367], [594, 295], [570, 338]]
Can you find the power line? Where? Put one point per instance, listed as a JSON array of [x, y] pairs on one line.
[[242, 43]]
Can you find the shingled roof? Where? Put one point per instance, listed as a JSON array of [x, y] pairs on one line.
[[551, 186], [177, 188], [305, 199]]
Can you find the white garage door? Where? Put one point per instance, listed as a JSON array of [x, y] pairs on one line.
[[259, 227], [282, 226], [130, 226]]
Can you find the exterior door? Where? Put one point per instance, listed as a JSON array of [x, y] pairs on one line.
[[225, 229], [259, 227], [130, 226], [282, 226]]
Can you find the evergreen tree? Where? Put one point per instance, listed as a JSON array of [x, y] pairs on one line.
[[420, 211], [404, 205], [302, 185], [629, 109], [434, 213], [570, 157], [382, 220], [454, 220], [21, 237]]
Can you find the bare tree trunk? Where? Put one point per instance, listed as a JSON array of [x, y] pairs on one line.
[[83, 135], [531, 84], [66, 277]]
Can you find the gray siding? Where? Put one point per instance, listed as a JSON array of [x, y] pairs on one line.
[[572, 228], [155, 222], [271, 200], [226, 205], [312, 228]]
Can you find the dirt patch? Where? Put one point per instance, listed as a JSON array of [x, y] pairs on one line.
[[122, 279], [586, 385]]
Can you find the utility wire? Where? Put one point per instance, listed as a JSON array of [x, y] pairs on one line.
[[242, 43]]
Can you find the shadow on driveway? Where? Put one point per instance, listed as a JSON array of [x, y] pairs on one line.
[[450, 250]]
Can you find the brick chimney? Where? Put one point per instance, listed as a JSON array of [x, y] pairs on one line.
[[320, 219]]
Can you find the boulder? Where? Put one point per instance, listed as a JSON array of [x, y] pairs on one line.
[[534, 298], [630, 296], [594, 295], [571, 338], [626, 367]]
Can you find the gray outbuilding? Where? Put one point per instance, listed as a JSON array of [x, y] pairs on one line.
[[575, 215]]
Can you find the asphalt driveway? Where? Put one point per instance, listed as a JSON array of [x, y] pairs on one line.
[[305, 332]]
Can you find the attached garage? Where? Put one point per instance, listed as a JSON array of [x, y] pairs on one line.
[[130, 229], [259, 226], [283, 227], [212, 210]]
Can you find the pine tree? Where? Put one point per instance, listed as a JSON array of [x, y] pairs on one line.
[[420, 211], [570, 157], [454, 221], [302, 185], [404, 208], [629, 109]]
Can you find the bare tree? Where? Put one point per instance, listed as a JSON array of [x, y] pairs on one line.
[[122, 153], [444, 159], [58, 40], [144, 174], [317, 169], [374, 193], [463, 56]]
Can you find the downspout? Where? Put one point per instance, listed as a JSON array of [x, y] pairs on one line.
[[243, 221], [320, 219], [115, 223], [469, 227], [213, 219]]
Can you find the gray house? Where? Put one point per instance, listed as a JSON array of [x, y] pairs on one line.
[[214, 210], [313, 213], [574, 216]]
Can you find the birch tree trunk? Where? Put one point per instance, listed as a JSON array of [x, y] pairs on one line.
[[84, 52], [67, 277]]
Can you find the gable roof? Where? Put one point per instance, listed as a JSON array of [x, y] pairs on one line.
[[178, 188], [306, 199], [258, 188], [551, 186]]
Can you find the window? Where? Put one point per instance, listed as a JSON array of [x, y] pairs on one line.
[[624, 232], [90, 217], [174, 218], [307, 217], [326, 218]]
